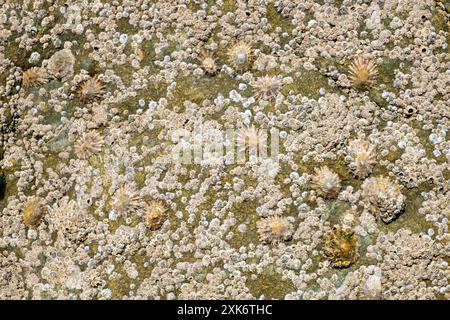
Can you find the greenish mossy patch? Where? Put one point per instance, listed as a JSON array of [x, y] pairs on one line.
[[264, 284], [244, 213], [119, 285]]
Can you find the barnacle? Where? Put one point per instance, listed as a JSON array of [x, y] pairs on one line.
[[362, 157], [155, 215], [91, 89], [267, 87], [274, 228], [362, 72], [127, 200], [32, 212], [34, 76], [88, 144], [340, 246], [326, 182], [60, 65], [383, 198], [240, 54]]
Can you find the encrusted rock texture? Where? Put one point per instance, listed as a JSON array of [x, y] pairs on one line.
[[95, 94]]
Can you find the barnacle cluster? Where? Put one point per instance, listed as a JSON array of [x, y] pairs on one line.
[[68, 220], [383, 198], [61, 64], [350, 217]]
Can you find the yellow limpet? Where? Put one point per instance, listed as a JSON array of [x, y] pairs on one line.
[[32, 212], [362, 72], [340, 247]]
